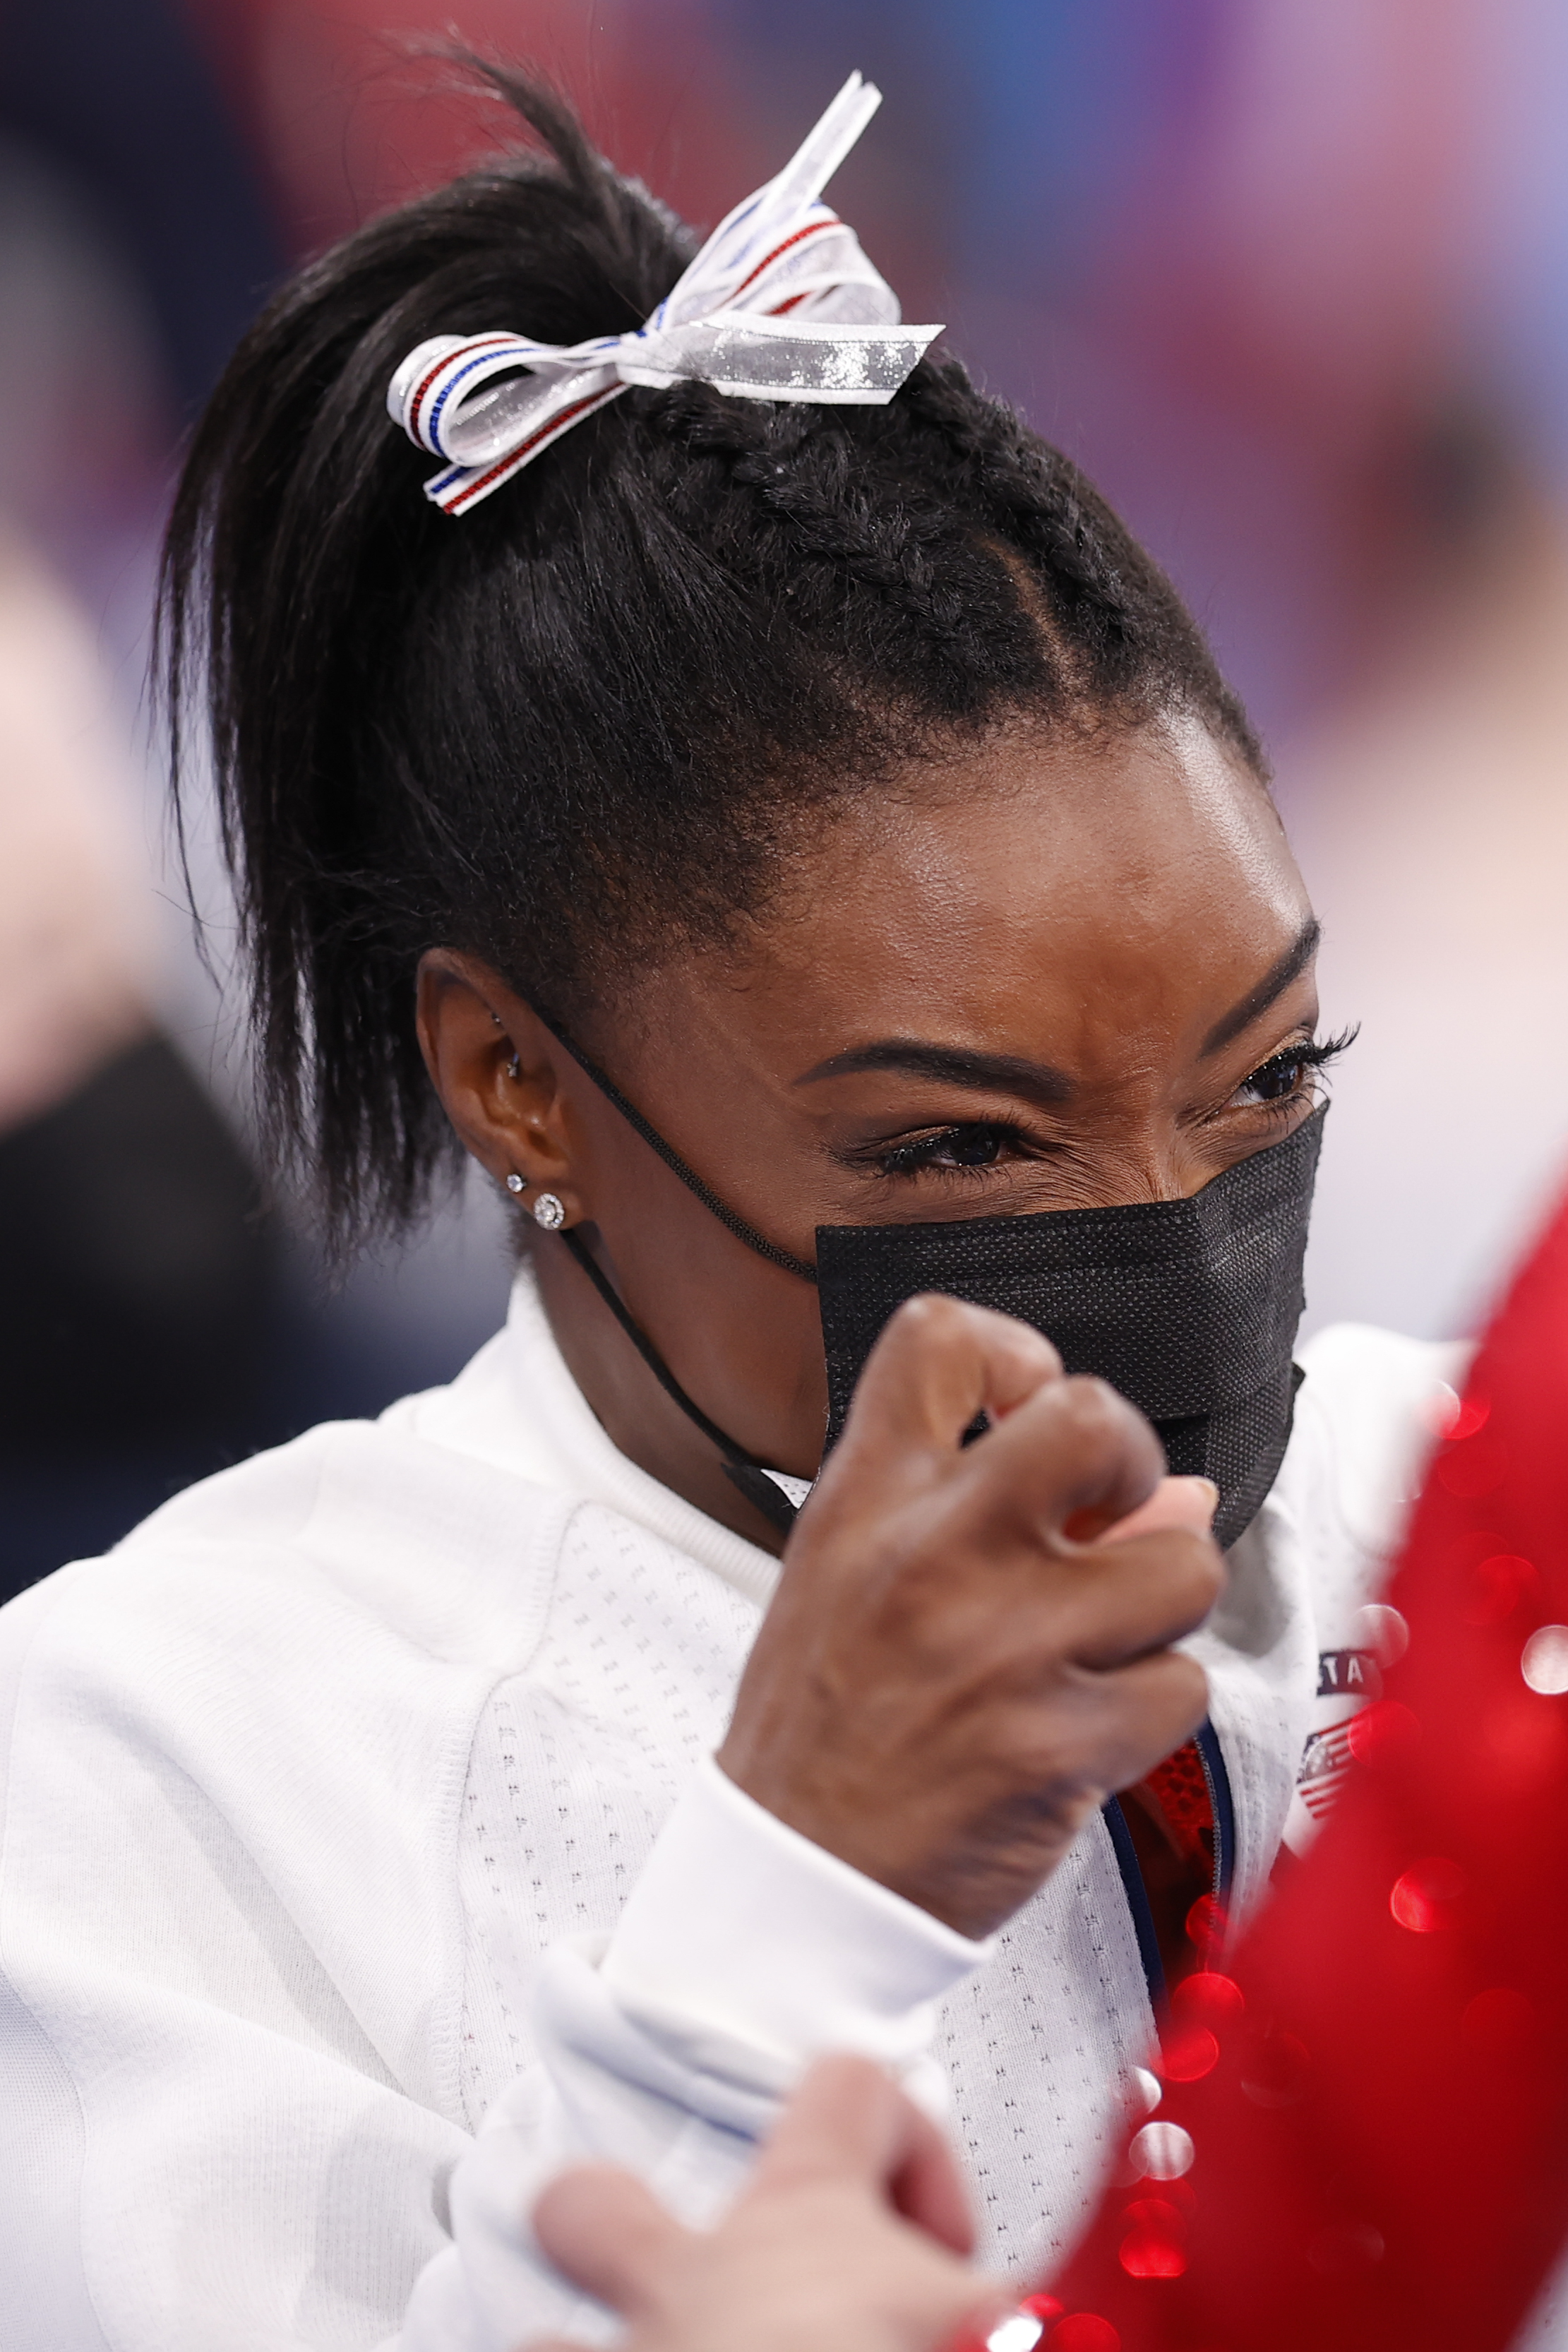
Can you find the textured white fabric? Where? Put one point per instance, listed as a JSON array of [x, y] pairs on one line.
[[325, 1794], [863, 1968]]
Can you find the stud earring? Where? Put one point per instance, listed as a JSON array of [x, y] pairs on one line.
[[515, 1067], [516, 1183], [550, 1212]]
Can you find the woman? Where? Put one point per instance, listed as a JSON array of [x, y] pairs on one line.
[[1366, 2147], [802, 847]]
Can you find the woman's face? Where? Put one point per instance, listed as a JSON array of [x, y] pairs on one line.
[[1041, 977]]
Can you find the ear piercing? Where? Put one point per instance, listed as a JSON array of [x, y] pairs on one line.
[[513, 1070], [548, 1211]]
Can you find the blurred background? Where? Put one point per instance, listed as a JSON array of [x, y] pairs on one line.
[[1290, 277]]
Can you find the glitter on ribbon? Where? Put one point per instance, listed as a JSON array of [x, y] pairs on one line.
[[780, 304]]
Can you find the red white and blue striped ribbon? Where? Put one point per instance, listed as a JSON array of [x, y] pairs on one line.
[[780, 304]]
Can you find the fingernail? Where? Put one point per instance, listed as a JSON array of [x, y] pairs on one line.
[[1208, 1489]]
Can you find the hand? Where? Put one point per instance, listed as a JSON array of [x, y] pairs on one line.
[[966, 1653], [847, 2237]]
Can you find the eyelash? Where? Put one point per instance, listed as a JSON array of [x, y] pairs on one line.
[[915, 1157], [1314, 1056]]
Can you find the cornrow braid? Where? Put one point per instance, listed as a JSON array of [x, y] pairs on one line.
[[576, 730], [813, 509]]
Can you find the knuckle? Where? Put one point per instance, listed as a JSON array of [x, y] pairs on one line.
[[924, 1327], [1094, 1412], [932, 1313], [1159, 1707], [1096, 1398], [1189, 1564]]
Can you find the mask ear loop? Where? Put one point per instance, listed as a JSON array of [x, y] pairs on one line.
[[742, 1469], [672, 1158]]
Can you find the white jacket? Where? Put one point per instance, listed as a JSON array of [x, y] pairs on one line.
[[363, 1860]]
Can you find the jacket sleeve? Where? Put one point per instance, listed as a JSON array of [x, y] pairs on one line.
[[743, 1952], [227, 1987]]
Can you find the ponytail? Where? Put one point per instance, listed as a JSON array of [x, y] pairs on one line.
[[571, 732]]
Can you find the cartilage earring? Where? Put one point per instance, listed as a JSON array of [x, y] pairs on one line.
[[516, 1183], [550, 1212], [515, 1066]]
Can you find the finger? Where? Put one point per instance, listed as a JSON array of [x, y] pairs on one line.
[[1156, 1706], [1075, 1455], [938, 1363], [608, 2233], [849, 2122], [928, 2188], [1122, 1725], [1125, 1600], [1175, 1503]]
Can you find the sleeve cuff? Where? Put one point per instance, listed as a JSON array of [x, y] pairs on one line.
[[745, 1951]]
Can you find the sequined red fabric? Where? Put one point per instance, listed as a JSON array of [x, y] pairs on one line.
[[1179, 1786], [1170, 1820], [1376, 2154]]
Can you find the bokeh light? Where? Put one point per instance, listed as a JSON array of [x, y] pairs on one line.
[[1544, 1663], [1162, 2151], [1423, 1897], [1276, 2069], [1145, 2254], [1187, 2053], [1210, 1999], [1497, 1586], [1146, 2092], [1020, 2331], [1084, 2331], [1382, 1732], [1381, 1629], [1499, 2023]]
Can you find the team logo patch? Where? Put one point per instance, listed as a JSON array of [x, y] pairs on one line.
[[1325, 1761], [1349, 1674]]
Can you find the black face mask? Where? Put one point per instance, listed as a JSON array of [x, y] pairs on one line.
[[1188, 1307]]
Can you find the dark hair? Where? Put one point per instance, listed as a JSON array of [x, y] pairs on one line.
[[580, 723]]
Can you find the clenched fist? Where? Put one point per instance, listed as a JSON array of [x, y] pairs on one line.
[[970, 1645]]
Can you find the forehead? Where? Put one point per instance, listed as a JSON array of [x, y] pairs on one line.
[[1147, 873]]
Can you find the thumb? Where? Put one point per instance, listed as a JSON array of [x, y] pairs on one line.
[[608, 2233], [849, 2124], [1175, 1503]]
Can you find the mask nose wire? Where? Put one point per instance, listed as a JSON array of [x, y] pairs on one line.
[[741, 1468]]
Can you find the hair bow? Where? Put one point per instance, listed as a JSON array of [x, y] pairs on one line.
[[780, 304]]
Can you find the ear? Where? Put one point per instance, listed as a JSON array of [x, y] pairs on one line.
[[498, 1071]]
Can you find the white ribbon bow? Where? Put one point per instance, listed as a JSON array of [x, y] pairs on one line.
[[780, 304]]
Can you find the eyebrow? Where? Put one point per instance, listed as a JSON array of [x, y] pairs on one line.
[[951, 1065], [1273, 985], [957, 1065]]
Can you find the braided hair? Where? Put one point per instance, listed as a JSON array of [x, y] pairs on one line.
[[584, 725]]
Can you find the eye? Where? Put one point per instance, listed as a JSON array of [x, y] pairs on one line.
[[974, 1146], [1286, 1076], [1279, 1077]]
